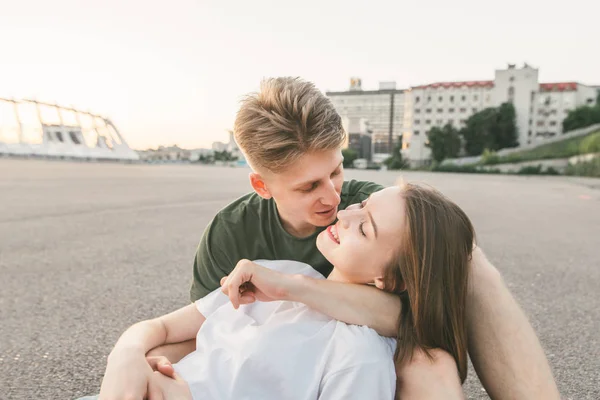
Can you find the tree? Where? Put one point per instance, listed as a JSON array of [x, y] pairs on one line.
[[396, 161], [349, 156], [443, 142], [477, 132], [505, 132], [492, 129], [581, 117], [224, 156]]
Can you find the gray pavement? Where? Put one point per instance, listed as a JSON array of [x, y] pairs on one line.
[[87, 249]]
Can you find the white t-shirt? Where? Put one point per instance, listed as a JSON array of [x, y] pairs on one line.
[[285, 350]]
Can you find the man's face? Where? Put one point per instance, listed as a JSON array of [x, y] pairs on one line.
[[308, 193]]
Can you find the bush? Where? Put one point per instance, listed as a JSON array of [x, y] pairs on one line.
[[489, 157], [469, 169], [590, 144], [585, 168], [537, 170]]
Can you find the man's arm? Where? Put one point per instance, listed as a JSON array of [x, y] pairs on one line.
[[503, 346], [353, 304], [349, 303]]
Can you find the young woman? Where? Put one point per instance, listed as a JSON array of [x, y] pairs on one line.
[[406, 239]]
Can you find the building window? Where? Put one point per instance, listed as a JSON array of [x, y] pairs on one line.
[[529, 133], [428, 121], [440, 110], [590, 101], [59, 136], [463, 110], [74, 137], [475, 97], [530, 121], [439, 121], [428, 111], [463, 98], [463, 121], [417, 121], [417, 99], [512, 79], [451, 99], [417, 133], [540, 123], [451, 121], [552, 123], [418, 111], [428, 99], [474, 109], [451, 110], [440, 98]]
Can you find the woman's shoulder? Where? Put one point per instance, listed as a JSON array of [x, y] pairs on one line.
[[290, 267], [354, 345]]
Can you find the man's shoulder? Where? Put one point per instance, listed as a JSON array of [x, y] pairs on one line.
[[247, 206], [354, 191]]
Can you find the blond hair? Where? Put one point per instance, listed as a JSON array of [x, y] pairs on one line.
[[286, 119]]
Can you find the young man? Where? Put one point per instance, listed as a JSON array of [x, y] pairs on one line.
[[292, 137]]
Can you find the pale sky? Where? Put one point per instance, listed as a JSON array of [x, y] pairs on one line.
[[174, 72]]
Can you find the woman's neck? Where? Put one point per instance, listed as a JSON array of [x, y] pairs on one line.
[[336, 276]]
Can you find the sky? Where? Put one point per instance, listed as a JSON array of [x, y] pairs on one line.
[[174, 72]]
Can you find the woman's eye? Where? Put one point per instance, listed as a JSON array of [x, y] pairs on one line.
[[360, 228]]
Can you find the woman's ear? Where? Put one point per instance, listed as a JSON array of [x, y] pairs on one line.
[[259, 186], [379, 283]]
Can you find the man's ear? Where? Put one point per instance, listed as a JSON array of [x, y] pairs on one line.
[[259, 186]]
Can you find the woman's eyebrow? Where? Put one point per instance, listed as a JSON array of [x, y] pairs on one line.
[[372, 223]]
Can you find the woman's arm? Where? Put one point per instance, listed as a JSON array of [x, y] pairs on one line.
[[127, 372], [350, 303]]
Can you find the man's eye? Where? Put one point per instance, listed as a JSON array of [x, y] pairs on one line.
[[336, 172], [360, 228], [310, 189]]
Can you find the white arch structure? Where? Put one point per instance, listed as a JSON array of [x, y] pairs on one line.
[[34, 128]]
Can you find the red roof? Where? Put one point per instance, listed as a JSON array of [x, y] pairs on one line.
[[446, 85], [558, 87]]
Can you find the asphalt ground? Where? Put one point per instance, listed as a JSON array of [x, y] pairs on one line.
[[87, 249]]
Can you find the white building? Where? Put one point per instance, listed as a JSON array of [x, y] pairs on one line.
[[540, 108], [438, 104], [34, 128], [384, 109]]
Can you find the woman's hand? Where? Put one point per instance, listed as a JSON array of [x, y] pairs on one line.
[[127, 376], [249, 282], [165, 388]]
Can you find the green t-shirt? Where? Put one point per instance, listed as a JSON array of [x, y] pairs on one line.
[[250, 228]]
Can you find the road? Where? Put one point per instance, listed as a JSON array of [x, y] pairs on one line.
[[87, 249]]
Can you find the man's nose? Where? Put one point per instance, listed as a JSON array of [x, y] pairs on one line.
[[330, 197]]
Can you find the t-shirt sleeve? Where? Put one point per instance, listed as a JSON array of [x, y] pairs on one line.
[[211, 262], [375, 381], [357, 191]]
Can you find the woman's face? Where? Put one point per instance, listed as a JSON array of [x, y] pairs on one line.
[[366, 237]]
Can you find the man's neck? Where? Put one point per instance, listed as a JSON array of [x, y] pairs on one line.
[[300, 231]]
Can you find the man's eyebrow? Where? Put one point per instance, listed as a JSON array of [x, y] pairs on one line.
[[315, 181]]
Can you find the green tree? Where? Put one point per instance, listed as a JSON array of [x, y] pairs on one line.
[[505, 131], [349, 156], [492, 129], [478, 132], [443, 142], [396, 161], [581, 117], [224, 156]]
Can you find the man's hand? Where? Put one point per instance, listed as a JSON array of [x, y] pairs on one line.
[[165, 388], [249, 282], [127, 376], [162, 365]]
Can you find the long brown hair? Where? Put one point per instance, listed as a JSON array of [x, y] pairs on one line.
[[431, 276]]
